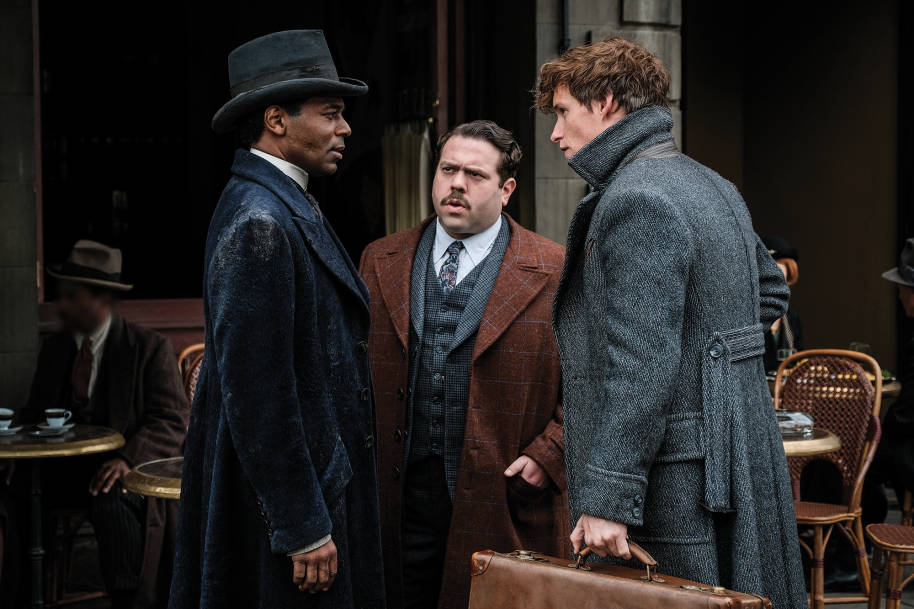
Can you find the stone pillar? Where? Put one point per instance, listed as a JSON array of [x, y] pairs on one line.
[[18, 267], [655, 25]]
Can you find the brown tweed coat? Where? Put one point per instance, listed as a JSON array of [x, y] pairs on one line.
[[513, 409]]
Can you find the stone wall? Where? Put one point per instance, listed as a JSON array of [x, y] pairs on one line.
[[654, 24], [18, 269]]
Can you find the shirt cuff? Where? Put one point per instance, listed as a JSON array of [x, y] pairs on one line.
[[310, 548]]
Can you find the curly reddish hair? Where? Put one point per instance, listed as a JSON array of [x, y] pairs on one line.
[[634, 76]]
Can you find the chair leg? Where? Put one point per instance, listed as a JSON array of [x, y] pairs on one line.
[[876, 581], [817, 573], [907, 509], [863, 566], [895, 576]]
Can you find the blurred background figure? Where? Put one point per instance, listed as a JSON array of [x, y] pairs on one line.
[[786, 334], [894, 462], [113, 373]]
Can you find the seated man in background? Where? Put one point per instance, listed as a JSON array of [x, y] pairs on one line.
[[108, 372], [894, 462]]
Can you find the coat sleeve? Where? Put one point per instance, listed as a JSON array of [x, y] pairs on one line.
[[548, 449], [773, 291], [161, 431], [252, 303], [638, 289]]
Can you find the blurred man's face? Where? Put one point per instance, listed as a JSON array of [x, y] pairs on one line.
[[315, 137], [576, 124], [81, 309], [467, 191], [906, 296]]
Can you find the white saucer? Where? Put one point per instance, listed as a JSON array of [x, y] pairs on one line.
[[48, 432], [10, 431], [62, 428]]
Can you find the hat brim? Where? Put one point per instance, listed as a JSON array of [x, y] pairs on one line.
[[288, 90], [113, 285], [893, 276]]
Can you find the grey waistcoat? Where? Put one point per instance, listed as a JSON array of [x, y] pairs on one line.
[[442, 337]]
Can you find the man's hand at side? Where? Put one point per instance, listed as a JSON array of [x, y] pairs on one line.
[[109, 473], [602, 536], [315, 571]]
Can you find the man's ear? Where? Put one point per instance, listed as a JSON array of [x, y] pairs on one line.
[[274, 120], [608, 106], [506, 189]]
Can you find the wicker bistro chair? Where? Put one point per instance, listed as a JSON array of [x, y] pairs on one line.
[[189, 363], [831, 385], [896, 541]]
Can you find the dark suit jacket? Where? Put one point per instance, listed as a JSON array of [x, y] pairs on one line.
[[514, 408], [139, 393], [280, 450]]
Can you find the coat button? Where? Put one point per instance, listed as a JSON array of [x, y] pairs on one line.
[[363, 347], [364, 394], [636, 512], [400, 393], [398, 436], [396, 473], [716, 350]]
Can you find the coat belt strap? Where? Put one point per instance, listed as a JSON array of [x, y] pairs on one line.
[[725, 349]]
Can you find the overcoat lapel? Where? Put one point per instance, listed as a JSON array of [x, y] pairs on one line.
[[577, 231], [419, 267], [119, 362], [394, 268], [318, 235], [471, 317], [519, 281]]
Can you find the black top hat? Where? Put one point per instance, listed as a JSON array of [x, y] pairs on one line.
[[278, 68], [779, 248], [904, 272]]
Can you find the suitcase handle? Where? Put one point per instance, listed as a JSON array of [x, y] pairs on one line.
[[638, 553]]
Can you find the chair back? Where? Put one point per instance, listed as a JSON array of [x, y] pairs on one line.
[[192, 376], [831, 385], [188, 357]]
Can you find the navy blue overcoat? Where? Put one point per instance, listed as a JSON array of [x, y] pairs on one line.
[[280, 450]]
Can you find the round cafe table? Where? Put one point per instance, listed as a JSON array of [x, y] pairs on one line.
[[822, 442], [159, 478], [80, 440]]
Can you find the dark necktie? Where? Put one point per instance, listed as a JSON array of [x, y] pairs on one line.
[[82, 372], [448, 274], [311, 200]]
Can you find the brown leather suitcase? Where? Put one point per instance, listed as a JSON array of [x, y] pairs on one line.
[[527, 580]]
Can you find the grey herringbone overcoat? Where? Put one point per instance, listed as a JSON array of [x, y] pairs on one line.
[[659, 317]]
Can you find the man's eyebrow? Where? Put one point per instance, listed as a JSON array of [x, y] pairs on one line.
[[335, 106]]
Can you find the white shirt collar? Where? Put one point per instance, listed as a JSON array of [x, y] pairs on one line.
[[476, 247], [296, 173], [98, 337]]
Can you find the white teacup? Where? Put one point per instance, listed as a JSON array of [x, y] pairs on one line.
[[57, 417], [6, 418]]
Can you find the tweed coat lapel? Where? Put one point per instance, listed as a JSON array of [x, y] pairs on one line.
[[577, 231], [472, 314], [417, 279], [318, 235], [394, 268], [520, 278]]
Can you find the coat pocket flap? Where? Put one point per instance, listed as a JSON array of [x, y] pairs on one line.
[[683, 439]]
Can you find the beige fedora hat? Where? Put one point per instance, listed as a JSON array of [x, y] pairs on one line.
[[92, 263]]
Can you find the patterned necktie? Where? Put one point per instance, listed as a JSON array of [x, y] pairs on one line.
[[448, 274], [82, 372]]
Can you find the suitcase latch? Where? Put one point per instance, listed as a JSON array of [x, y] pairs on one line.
[[527, 555]]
